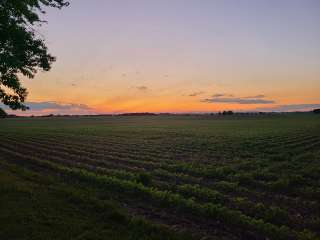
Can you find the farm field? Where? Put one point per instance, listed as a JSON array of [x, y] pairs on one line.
[[160, 177]]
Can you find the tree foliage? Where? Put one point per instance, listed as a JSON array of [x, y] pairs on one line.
[[22, 52], [2, 113]]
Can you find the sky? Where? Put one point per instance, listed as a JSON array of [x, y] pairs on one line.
[[116, 56]]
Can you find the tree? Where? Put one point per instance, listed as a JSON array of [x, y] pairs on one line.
[[227, 113], [317, 111], [22, 52], [3, 114]]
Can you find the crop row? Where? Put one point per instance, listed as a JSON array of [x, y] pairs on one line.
[[210, 195], [196, 190], [217, 212], [117, 164]]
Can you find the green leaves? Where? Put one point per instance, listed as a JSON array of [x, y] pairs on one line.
[[2, 113], [22, 53]]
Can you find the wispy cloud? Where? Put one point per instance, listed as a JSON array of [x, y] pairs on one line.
[[257, 96], [195, 94], [52, 107], [142, 88], [290, 107], [218, 95], [229, 98], [56, 106], [238, 100]]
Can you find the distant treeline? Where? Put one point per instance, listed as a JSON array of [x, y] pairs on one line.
[[185, 114], [3, 114]]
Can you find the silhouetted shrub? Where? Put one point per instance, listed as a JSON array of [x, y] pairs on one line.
[[316, 111]]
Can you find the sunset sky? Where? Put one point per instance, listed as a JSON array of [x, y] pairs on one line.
[[180, 56]]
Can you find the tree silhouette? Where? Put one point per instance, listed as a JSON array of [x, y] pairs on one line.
[[3, 114], [22, 52]]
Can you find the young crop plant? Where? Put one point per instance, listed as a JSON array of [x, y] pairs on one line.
[[161, 171]]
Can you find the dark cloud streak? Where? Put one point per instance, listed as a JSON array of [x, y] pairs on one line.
[[228, 98], [290, 107], [56, 106], [218, 95], [238, 100]]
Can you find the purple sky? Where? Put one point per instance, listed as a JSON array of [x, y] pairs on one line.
[[152, 55]]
